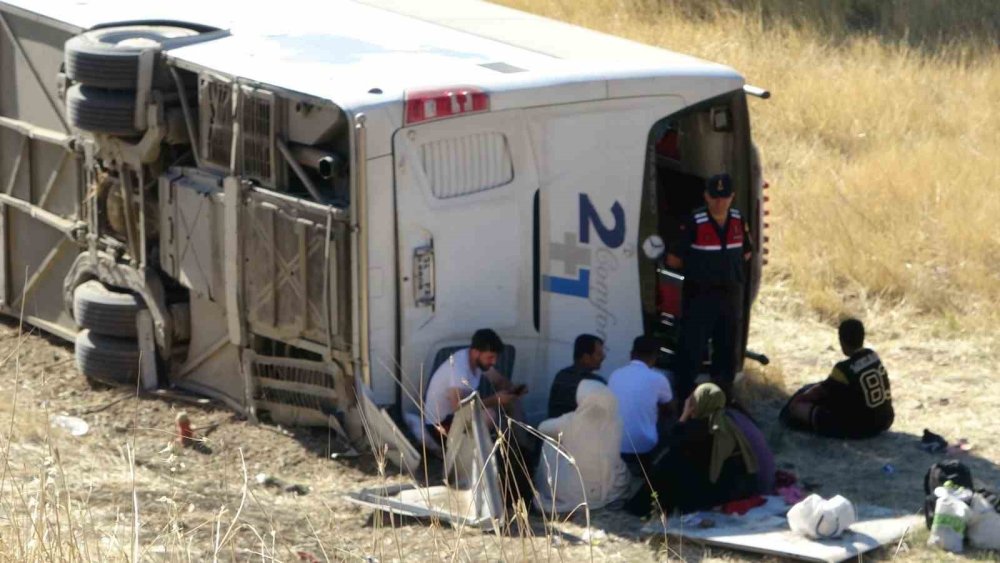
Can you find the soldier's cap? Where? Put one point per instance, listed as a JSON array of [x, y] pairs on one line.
[[720, 185]]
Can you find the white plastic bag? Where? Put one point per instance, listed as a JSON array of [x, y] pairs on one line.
[[983, 524], [75, 426], [802, 516], [838, 515], [951, 516], [817, 518]]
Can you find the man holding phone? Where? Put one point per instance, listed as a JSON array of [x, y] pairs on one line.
[[461, 374]]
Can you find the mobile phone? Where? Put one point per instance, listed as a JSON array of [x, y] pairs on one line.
[[520, 389]]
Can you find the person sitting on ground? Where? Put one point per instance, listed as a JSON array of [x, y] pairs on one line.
[[766, 466], [708, 460], [644, 398], [854, 402], [459, 376], [588, 469], [588, 355]]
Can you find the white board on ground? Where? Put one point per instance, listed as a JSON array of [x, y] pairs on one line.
[[471, 493], [765, 530]]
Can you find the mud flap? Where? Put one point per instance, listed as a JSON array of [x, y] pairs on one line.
[[471, 493]]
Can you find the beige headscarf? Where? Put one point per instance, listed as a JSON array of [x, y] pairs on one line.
[[710, 403]]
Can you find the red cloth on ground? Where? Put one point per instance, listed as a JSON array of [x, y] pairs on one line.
[[743, 506]]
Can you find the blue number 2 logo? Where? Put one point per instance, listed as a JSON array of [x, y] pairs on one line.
[[576, 257], [613, 237]]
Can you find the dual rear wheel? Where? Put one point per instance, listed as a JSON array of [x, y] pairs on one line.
[[107, 351], [104, 65]]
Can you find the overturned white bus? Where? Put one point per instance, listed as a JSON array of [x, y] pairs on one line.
[[269, 205]]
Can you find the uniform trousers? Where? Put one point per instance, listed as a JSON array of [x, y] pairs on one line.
[[709, 312]]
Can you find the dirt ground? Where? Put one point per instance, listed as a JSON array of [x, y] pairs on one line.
[[74, 498]]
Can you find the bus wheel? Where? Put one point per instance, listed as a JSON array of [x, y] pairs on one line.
[[111, 112], [109, 57], [106, 311], [107, 359]]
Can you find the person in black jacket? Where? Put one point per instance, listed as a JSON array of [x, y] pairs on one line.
[[712, 251], [588, 355], [855, 400], [709, 461]]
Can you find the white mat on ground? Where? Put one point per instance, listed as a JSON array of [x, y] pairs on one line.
[[765, 530]]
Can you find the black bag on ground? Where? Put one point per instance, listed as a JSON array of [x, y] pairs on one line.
[[939, 474]]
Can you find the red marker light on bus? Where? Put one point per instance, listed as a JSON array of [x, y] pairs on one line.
[[428, 105]]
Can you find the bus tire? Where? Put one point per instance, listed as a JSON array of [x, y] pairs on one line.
[[105, 311], [109, 57], [111, 112], [107, 359]]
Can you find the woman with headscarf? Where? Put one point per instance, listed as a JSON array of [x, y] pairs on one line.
[[709, 461], [586, 467]]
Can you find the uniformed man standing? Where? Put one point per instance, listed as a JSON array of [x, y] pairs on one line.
[[711, 252]]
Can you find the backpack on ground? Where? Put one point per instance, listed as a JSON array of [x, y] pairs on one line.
[[940, 473]]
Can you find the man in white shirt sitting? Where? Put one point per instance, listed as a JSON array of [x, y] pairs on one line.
[[643, 394], [460, 375]]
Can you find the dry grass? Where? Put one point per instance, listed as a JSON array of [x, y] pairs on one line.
[[121, 493], [881, 152]]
